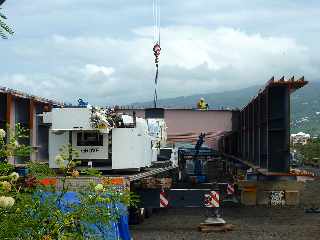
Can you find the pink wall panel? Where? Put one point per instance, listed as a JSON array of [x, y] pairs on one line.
[[185, 125]]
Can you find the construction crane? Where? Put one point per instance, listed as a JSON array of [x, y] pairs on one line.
[[156, 47]]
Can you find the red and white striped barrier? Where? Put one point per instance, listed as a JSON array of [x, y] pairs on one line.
[[163, 200], [211, 200], [230, 189]]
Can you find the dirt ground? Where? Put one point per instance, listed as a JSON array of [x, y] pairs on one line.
[[256, 223], [251, 223]]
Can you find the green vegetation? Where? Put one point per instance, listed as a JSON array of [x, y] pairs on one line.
[[40, 170], [309, 152], [10, 145], [305, 116], [31, 208], [92, 172], [5, 29], [5, 168]]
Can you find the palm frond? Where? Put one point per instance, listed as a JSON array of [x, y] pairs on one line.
[[5, 30], [3, 35], [2, 16]]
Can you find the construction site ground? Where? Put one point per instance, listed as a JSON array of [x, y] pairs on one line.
[[254, 222], [250, 223]]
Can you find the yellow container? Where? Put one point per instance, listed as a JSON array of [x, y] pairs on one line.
[[249, 196]]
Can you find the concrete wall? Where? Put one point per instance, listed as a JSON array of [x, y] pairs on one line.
[[3, 110], [24, 110], [258, 192], [41, 135], [22, 116]]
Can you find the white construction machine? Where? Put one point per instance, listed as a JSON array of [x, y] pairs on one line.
[[105, 140]]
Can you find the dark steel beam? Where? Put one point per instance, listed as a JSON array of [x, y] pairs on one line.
[[263, 135]]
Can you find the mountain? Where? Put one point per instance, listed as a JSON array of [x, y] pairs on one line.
[[228, 99], [305, 104], [305, 109]]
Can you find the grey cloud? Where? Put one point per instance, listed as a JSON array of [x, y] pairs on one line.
[[206, 46]]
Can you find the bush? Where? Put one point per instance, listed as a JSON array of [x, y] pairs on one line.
[[10, 145], [40, 170], [40, 211], [310, 152], [5, 168]]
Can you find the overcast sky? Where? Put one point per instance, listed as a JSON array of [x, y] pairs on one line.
[[101, 50]]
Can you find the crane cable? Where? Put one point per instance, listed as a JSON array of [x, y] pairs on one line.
[[156, 47]]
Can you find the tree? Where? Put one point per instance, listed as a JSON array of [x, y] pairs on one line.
[[310, 152], [5, 29]]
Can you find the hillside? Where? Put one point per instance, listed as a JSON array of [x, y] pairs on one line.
[[305, 109], [305, 104], [228, 99]]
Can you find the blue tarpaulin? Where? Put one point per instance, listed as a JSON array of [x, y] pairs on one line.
[[113, 231]]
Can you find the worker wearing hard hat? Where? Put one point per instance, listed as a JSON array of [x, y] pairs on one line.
[[202, 105]]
